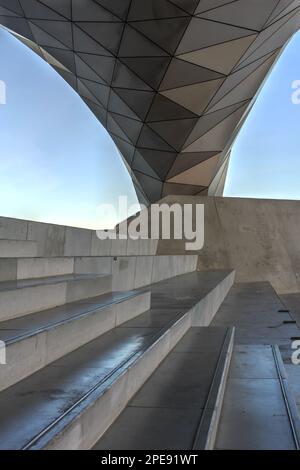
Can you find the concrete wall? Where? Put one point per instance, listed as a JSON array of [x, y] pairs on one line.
[[59, 240], [260, 239], [132, 263]]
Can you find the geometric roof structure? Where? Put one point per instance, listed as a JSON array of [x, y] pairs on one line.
[[170, 80]]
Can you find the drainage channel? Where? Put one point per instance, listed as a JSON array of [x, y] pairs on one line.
[[287, 396]]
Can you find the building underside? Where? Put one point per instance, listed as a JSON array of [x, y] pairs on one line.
[[172, 81]]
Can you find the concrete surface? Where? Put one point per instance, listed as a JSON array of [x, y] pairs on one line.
[[293, 374], [59, 240], [253, 308], [166, 412], [254, 415], [128, 272], [17, 248], [29, 268], [257, 238]]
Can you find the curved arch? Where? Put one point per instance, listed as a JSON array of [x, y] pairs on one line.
[[171, 80]]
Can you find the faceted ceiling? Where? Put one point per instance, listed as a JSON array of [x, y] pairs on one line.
[[171, 80]]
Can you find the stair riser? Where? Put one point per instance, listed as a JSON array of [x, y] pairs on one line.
[[19, 302], [31, 354], [99, 411], [17, 249], [44, 267], [88, 288], [13, 269], [204, 312]]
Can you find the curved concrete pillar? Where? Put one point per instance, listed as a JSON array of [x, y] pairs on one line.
[[170, 80]]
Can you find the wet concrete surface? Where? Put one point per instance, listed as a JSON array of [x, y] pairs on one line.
[[34, 403]]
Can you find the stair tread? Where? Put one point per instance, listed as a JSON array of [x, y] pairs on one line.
[[30, 406], [24, 283], [28, 325], [166, 412]]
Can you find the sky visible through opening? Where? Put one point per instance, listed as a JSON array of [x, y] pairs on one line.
[[58, 164], [265, 161]]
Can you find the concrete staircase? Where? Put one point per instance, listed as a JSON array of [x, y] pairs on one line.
[[111, 346], [83, 333]]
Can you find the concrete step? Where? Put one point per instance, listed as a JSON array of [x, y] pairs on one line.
[[17, 248], [18, 298], [36, 340], [71, 403], [179, 406], [13, 269]]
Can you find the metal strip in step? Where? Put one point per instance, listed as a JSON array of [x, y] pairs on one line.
[[85, 312]]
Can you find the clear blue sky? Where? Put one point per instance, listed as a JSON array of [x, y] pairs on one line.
[[265, 161], [57, 163]]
